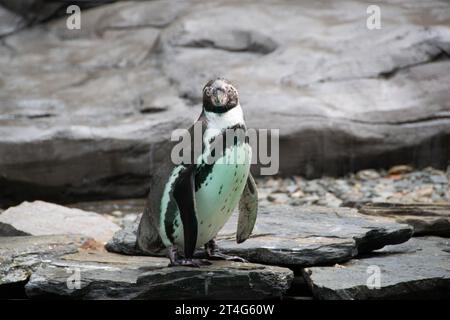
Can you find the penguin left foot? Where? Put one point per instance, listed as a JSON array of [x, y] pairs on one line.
[[213, 253], [176, 260]]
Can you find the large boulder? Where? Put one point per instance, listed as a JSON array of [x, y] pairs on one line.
[[417, 269], [101, 101], [295, 236], [41, 218]]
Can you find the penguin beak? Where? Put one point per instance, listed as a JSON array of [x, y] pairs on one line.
[[220, 98]]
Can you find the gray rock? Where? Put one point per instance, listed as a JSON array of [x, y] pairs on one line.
[[42, 218], [417, 269], [124, 240], [111, 276], [21, 256], [9, 22], [286, 235], [426, 219], [100, 102]]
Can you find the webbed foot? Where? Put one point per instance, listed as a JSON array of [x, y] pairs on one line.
[[213, 253], [176, 260]]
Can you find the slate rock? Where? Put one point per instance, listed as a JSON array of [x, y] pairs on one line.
[[10, 22], [297, 236], [427, 219], [124, 240], [43, 218], [101, 101], [106, 275], [20, 256], [417, 269]]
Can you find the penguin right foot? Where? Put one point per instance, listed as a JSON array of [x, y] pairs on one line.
[[176, 260]]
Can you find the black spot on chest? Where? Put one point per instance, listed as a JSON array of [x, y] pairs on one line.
[[203, 170]]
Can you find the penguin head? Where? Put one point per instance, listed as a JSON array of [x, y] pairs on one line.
[[219, 96]]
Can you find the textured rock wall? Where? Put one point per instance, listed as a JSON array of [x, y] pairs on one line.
[[84, 114]]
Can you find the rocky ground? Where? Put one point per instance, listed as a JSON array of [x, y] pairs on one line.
[[298, 250], [401, 184]]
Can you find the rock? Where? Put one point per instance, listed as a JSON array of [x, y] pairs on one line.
[[42, 218], [124, 240], [101, 101], [400, 169], [286, 235], [119, 211], [111, 276], [368, 174], [9, 22], [427, 219], [20, 256], [278, 198], [417, 269], [330, 201]]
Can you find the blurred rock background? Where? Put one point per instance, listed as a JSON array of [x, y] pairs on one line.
[[84, 113]]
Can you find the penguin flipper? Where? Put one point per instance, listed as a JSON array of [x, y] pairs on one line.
[[184, 194], [248, 208]]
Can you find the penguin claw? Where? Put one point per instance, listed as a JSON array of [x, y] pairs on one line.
[[213, 253]]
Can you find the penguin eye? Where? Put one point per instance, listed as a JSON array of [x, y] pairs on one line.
[[208, 91]]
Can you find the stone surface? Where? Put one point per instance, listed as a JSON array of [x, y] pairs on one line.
[[124, 240], [112, 276], [42, 218], [100, 102], [20, 256], [9, 22], [427, 219], [120, 211], [297, 236], [419, 268]]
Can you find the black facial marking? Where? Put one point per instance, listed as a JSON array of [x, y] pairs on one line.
[[210, 90]]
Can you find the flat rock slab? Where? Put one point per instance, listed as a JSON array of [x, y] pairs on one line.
[[42, 218], [20, 256], [427, 219], [297, 236], [419, 268], [106, 275]]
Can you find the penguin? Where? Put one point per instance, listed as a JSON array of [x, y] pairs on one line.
[[189, 203]]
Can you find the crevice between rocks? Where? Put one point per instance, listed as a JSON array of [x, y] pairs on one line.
[[439, 56]]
